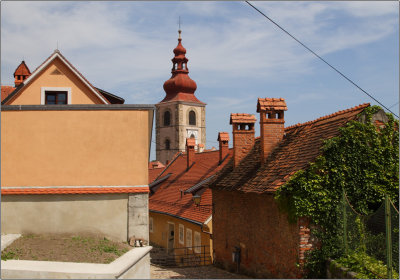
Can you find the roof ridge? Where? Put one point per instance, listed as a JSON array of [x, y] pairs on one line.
[[364, 105]]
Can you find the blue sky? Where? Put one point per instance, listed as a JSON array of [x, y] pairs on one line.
[[235, 55]]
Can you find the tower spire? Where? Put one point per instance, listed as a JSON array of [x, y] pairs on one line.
[[180, 86]]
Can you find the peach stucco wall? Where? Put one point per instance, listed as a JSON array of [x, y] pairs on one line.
[[31, 93], [75, 148]]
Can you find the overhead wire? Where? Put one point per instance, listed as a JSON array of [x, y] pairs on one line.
[[334, 68]]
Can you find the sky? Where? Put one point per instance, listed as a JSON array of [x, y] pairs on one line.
[[235, 55]]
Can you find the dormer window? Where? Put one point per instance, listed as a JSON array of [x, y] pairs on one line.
[[56, 97]]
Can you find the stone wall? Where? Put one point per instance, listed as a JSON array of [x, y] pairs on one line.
[[138, 216]]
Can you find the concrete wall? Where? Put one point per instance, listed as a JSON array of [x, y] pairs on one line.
[[135, 264], [56, 74], [75, 148], [269, 243], [104, 214]]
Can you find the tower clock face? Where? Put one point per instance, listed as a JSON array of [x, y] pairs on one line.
[[192, 133]]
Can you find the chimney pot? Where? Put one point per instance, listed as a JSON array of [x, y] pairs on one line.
[[190, 144], [223, 139], [272, 122]]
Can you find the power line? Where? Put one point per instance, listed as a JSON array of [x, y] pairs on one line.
[[394, 104], [340, 73]]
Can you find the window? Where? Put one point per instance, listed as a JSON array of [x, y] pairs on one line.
[[151, 224], [181, 234], [192, 118], [167, 118], [56, 97], [167, 144], [197, 242], [189, 238]]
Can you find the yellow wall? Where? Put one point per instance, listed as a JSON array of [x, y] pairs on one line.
[[75, 148], [159, 236], [104, 214], [31, 94]]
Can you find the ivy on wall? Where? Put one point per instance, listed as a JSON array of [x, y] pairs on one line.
[[364, 161]]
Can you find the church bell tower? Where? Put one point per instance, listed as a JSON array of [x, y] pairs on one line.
[[180, 114]]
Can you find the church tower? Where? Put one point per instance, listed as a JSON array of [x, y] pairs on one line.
[[180, 114]]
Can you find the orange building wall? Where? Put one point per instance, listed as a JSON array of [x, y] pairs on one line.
[[31, 94], [159, 236], [75, 148]]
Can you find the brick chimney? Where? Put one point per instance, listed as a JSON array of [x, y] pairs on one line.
[[243, 135], [190, 144], [271, 124], [223, 139]]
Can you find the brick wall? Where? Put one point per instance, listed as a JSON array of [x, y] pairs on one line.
[[271, 131], [243, 142], [270, 245]]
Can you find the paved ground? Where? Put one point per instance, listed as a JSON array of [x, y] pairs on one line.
[[201, 272]]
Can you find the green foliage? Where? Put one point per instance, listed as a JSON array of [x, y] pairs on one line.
[[364, 162], [7, 255], [366, 266]]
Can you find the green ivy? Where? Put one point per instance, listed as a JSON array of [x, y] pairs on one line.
[[364, 161], [366, 266]]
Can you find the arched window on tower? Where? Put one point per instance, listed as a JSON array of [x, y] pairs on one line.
[[167, 144], [167, 118], [192, 118]]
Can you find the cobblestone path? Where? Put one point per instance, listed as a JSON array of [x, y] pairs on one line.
[[200, 272]]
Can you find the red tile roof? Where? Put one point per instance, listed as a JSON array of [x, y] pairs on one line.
[[168, 197], [22, 70], [223, 136], [271, 104], [5, 91], [242, 118], [155, 171], [66, 190], [300, 146]]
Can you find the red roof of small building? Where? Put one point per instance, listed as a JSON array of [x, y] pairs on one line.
[[22, 69], [169, 197], [223, 136], [242, 118], [300, 146], [271, 104], [5, 91]]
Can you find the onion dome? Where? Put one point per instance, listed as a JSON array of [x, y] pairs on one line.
[[180, 87], [21, 73]]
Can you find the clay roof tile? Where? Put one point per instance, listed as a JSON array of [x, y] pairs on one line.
[[242, 118], [300, 146]]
